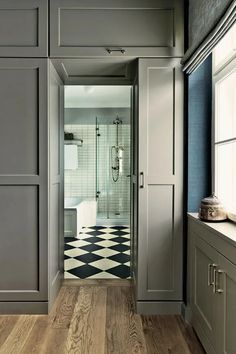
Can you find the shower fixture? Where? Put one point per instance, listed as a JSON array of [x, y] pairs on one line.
[[116, 154]]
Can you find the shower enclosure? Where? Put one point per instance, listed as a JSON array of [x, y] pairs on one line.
[[113, 170]]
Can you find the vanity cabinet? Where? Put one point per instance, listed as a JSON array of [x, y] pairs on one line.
[[23, 28], [213, 290], [111, 28]]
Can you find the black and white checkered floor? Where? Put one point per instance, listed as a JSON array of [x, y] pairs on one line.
[[99, 252]]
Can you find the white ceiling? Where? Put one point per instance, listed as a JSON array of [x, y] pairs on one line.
[[97, 96]]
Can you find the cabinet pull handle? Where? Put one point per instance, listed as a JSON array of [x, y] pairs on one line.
[[214, 266], [141, 179], [211, 266], [217, 276], [111, 50], [209, 277]]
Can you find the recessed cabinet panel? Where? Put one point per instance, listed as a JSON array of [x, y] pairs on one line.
[[147, 27], [227, 315], [116, 28], [204, 299], [19, 121], [160, 118], [160, 235], [19, 238], [23, 28], [11, 27]]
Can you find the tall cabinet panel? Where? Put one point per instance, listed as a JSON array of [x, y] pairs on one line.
[[23, 180], [160, 184], [23, 28]]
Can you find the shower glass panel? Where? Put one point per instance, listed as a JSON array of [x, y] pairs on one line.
[[113, 169]]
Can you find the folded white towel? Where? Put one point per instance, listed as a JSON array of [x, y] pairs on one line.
[[71, 157]]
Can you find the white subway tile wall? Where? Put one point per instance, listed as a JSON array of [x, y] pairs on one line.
[[94, 168]]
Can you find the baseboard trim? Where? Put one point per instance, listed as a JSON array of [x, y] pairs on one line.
[[186, 312], [55, 288], [159, 307], [23, 308], [203, 338]]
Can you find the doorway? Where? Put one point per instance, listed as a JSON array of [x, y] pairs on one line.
[[97, 183]]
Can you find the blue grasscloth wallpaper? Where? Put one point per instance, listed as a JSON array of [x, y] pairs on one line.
[[199, 134]]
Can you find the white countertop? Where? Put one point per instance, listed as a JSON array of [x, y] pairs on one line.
[[226, 229]]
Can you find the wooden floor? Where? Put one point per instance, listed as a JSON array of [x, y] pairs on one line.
[[96, 317]]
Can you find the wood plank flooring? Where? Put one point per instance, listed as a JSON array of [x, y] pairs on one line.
[[96, 317]]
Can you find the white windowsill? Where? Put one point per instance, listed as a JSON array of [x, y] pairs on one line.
[[225, 229]]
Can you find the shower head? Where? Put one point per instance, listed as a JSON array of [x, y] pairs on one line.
[[117, 121]]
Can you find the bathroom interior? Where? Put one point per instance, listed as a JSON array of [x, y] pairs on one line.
[[97, 145]]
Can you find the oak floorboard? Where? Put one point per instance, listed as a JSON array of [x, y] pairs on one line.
[[87, 329], [190, 337], [19, 334], [163, 335], [65, 310], [123, 327], [6, 326], [96, 318], [98, 282]]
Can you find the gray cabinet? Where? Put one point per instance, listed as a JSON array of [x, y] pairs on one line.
[[23, 28], [204, 305], [213, 289], [226, 292], [31, 185], [160, 187], [23, 180], [116, 28]]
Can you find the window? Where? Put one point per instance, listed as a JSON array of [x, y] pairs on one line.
[[224, 122]]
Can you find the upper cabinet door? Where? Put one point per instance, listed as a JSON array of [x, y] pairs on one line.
[[160, 203], [23, 28], [113, 28]]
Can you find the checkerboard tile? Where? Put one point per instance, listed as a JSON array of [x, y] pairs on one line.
[[100, 252]]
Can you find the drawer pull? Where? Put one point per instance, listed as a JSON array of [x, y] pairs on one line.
[[111, 50]]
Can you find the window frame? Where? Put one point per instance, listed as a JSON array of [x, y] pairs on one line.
[[220, 73]]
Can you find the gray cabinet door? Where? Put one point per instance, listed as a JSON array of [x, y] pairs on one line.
[[23, 179], [226, 294], [56, 183], [160, 180], [23, 28], [116, 28], [204, 302]]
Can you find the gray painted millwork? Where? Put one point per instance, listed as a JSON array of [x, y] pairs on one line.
[[31, 139], [213, 313], [92, 71], [82, 28], [23, 180], [160, 180], [56, 183], [23, 28]]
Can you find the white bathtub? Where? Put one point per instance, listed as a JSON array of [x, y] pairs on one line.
[[79, 212]]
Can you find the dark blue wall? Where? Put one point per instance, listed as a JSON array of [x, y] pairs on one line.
[[199, 134]]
